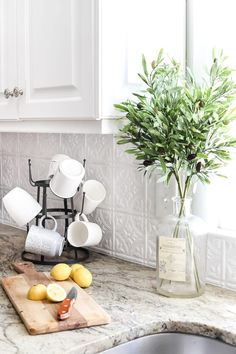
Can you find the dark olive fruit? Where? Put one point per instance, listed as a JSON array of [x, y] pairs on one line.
[[147, 163], [201, 104], [139, 105], [161, 151], [198, 166], [191, 157]]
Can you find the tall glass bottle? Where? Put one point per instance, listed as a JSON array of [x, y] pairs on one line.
[[181, 252]]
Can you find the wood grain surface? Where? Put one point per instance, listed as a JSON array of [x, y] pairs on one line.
[[41, 316]]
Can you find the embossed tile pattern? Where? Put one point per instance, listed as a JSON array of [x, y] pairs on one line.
[[9, 143], [10, 171], [230, 263], [103, 174], [121, 156], [130, 214], [129, 193], [104, 218], [130, 236], [73, 145], [152, 231], [24, 174], [99, 148], [28, 144], [48, 145], [215, 247]]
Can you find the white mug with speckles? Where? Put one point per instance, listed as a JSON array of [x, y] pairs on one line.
[[43, 241]]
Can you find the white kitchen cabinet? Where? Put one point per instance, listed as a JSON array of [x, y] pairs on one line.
[[8, 62], [54, 44], [56, 58], [74, 59]]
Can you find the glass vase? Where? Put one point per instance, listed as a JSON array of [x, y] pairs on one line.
[[181, 252]]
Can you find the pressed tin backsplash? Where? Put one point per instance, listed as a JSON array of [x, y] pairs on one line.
[[133, 206]]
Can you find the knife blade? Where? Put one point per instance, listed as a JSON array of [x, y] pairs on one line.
[[65, 308]]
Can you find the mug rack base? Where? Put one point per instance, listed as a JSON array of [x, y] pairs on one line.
[[80, 255]]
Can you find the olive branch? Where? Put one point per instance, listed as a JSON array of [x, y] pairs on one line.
[[178, 125]]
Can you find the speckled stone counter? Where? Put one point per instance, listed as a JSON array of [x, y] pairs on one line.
[[127, 292]]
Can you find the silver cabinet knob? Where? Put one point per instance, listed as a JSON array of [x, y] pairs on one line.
[[17, 92], [8, 93]]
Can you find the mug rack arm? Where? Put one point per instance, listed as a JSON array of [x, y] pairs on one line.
[[84, 164], [32, 182], [82, 206]]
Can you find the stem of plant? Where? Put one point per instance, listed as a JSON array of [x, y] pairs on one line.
[[176, 230]]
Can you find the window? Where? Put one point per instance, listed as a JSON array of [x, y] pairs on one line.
[[211, 24]]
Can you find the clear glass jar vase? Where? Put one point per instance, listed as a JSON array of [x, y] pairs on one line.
[[181, 252]]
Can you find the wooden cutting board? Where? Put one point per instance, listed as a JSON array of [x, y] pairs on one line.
[[41, 316]]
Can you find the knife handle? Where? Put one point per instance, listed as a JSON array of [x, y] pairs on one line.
[[65, 309]]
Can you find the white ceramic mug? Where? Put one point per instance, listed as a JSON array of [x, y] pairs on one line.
[[67, 178], [44, 241], [95, 193], [21, 206], [83, 233], [54, 164]]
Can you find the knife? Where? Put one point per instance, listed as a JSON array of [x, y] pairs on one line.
[[65, 308]]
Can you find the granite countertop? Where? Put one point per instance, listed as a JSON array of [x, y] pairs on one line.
[[127, 292]]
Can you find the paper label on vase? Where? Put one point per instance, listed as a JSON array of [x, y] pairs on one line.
[[172, 258]]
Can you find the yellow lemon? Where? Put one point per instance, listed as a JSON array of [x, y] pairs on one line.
[[55, 292], [73, 269], [61, 271], [37, 292], [83, 277]]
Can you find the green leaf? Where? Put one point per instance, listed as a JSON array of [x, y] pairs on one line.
[[220, 175], [121, 107], [131, 151], [159, 57], [122, 141], [144, 63], [201, 155], [143, 78], [162, 163], [169, 176]]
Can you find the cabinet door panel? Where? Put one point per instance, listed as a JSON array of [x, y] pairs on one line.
[[8, 66], [56, 58], [129, 29]]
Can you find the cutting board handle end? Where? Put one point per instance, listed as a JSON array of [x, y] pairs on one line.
[[24, 267]]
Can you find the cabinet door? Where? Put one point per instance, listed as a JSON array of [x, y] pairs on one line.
[[8, 66], [56, 58], [129, 29]]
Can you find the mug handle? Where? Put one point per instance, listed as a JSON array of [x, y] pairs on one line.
[[84, 217], [48, 217]]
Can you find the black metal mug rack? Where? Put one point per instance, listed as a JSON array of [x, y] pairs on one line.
[[70, 253]]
